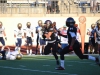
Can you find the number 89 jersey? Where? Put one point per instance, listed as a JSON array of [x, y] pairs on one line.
[[19, 33]]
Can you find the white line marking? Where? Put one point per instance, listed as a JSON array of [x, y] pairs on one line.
[[22, 66], [69, 65], [36, 70], [46, 65], [93, 64]]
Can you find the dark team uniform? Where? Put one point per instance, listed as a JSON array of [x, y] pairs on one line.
[[76, 47], [73, 44], [52, 44], [2, 53]]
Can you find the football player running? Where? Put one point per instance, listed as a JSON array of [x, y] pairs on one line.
[[18, 35], [28, 34], [73, 45], [50, 37], [2, 34]]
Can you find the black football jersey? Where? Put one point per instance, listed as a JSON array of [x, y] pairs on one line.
[[53, 37], [71, 31]]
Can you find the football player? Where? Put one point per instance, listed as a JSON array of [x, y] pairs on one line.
[[2, 34], [51, 39], [39, 31], [28, 34], [73, 45], [91, 38], [97, 36], [18, 35], [10, 55]]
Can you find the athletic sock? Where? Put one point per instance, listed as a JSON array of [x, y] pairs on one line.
[[91, 58], [62, 63]]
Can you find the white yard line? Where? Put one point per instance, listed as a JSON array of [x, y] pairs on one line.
[[7, 67]]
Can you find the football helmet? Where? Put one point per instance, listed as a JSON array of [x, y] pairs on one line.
[[70, 22], [98, 23], [28, 24], [40, 22], [48, 22], [19, 25], [19, 56]]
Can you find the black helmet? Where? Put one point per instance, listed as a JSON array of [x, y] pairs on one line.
[[48, 21], [70, 22]]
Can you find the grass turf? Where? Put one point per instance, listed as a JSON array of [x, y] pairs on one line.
[[45, 65]]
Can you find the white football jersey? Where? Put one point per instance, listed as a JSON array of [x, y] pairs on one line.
[[18, 33], [28, 31], [1, 31], [11, 55], [40, 32]]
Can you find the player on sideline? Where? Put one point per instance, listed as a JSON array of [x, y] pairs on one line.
[[73, 45], [2, 34], [28, 34], [18, 35]]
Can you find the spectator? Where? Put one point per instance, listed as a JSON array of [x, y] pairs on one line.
[[49, 7], [93, 4]]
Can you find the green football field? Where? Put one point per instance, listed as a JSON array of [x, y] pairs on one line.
[[45, 65]]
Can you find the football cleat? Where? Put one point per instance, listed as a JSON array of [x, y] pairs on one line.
[[59, 68]]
